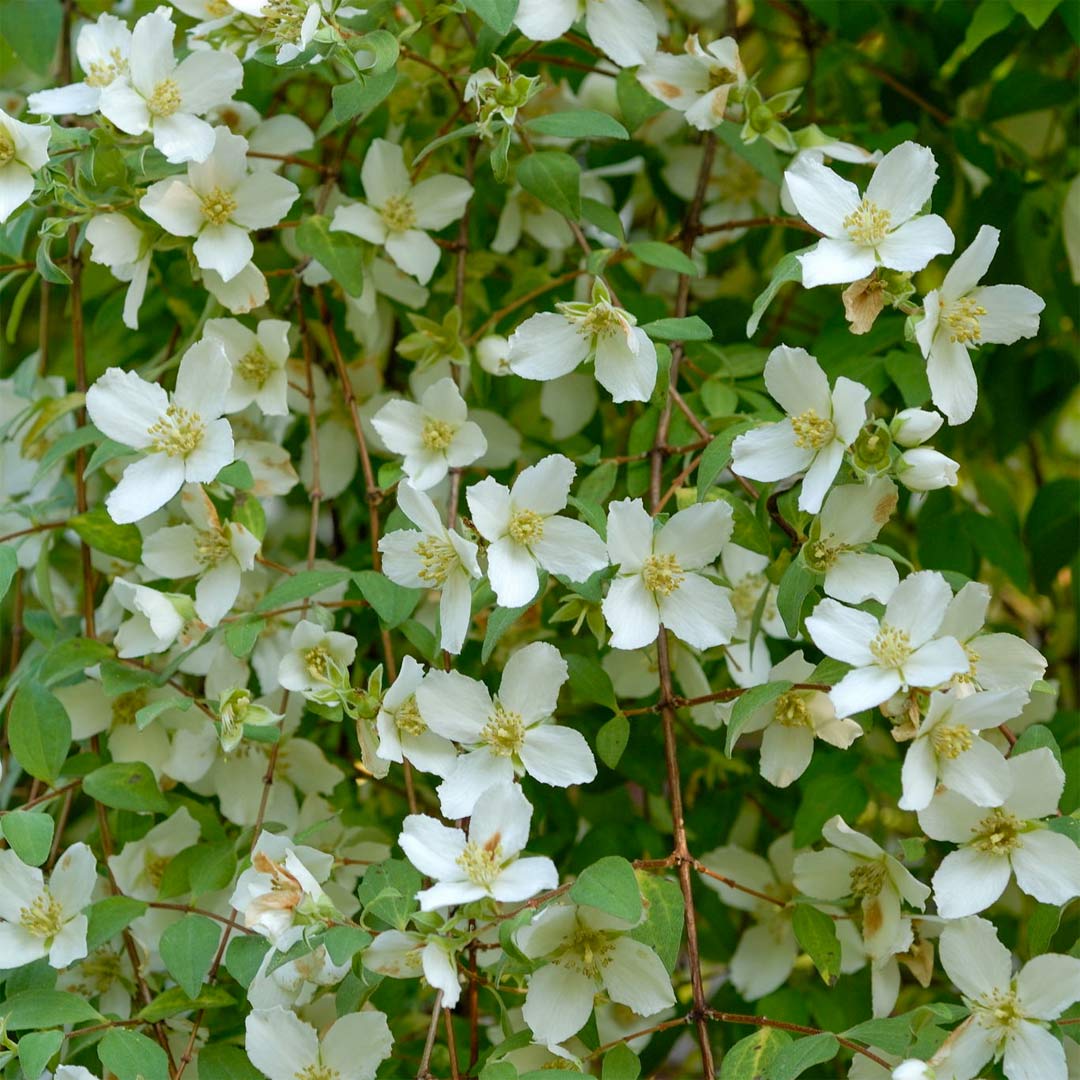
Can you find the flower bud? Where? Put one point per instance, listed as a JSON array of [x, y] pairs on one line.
[[912, 427], [913, 1069], [924, 469], [870, 452]]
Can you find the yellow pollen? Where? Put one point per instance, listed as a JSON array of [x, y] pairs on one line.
[[951, 740], [746, 594], [821, 555], [482, 863], [587, 951], [103, 72], [437, 434], [963, 319], [218, 206], [218, 8], [177, 433], [791, 710], [408, 718], [1002, 1008], [165, 100], [868, 224], [44, 918], [868, 879], [398, 213], [318, 662], [998, 833], [526, 527], [603, 321], [438, 559], [155, 867], [662, 574], [973, 663], [317, 1072], [99, 971], [211, 547], [282, 20], [255, 367], [504, 733], [125, 706], [891, 647], [7, 148], [812, 432]]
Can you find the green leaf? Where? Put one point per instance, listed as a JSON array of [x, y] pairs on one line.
[[100, 532], [360, 97], [1053, 529], [803, 1054], [590, 682], [827, 795], [1036, 11], [692, 328], [145, 716], [611, 740], [213, 868], [127, 785], [301, 586], [241, 636], [47, 1008], [220, 1061], [108, 917], [1035, 737], [498, 14], [392, 603], [611, 885], [795, 586], [388, 890], [174, 1001], [816, 933], [39, 731], [761, 156], [717, 456], [787, 269], [64, 445], [9, 564], [71, 656], [555, 179], [236, 474], [664, 256], [35, 1049], [665, 914], [893, 1034], [187, 950], [342, 943], [133, 1056], [1042, 924], [621, 1063], [108, 450], [32, 29], [29, 834], [243, 957], [341, 253], [998, 544], [603, 217], [747, 703], [635, 103], [500, 620], [579, 124], [750, 1058]]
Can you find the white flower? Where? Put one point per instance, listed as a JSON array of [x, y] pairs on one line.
[[524, 530], [240, 294], [24, 148], [823, 146], [483, 863], [158, 619], [118, 243], [523, 212], [851, 518], [181, 435], [403, 731], [510, 735], [856, 866], [904, 648], [962, 316], [434, 557], [1009, 1013], [236, 710], [317, 663], [587, 950], [407, 955], [103, 49], [745, 572], [995, 661], [259, 360], [167, 98], [221, 201], [217, 553], [925, 469], [550, 344], [697, 84], [657, 581], [792, 722], [434, 435], [624, 29], [283, 1047], [293, 983], [877, 229], [947, 748], [821, 425], [139, 866], [1006, 840], [39, 919], [398, 214], [912, 427]]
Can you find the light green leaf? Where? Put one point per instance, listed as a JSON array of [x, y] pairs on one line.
[[108, 917], [717, 456], [103, 534], [301, 586], [555, 179], [579, 124], [127, 785], [816, 933], [692, 328], [611, 740], [611, 885], [35, 1049], [133, 1056], [665, 914], [804, 1054], [39, 731], [187, 950], [47, 1008], [29, 834], [664, 256], [392, 603], [174, 1001], [747, 703], [9, 565], [795, 586], [787, 269], [621, 1063], [498, 14], [32, 29], [339, 252], [750, 1058]]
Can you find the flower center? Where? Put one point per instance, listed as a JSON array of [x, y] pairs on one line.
[[998, 833], [283, 21], [408, 718], [217, 8], [218, 206], [746, 594], [603, 321], [155, 867], [662, 574], [438, 558], [791, 710], [317, 1072], [868, 879], [398, 213], [526, 527], [482, 862], [255, 367], [125, 706], [890, 647], [820, 555], [504, 733], [963, 320], [868, 224], [951, 740], [103, 72], [1002, 1009], [177, 433], [587, 951], [211, 547], [318, 662], [436, 434], [44, 918], [7, 148], [165, 100], [100, 971], [812, 432], [973, 663]]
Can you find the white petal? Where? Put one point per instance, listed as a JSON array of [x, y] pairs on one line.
[[279, 1044], [936, 662], [626, 366], [631, 613], [182, 137], [971, 265], [356, 1044], [558, 1003], [915, 243], [489, 507], [531, 681], [208, 77], [502, 811], [1012, 312], [769, 453], [558, 756], [918, 605], [455, 610], [843, 633], [415, 252], [858, 576], [546, 346], [146, 486], [980, 775], [545, 486], [836, 262], [699, 613], [696, 535], [624, 29], [795, 380], [73, 880], [77, 99], [525, 878], [902, 181], [470, 777], [383, 172], [360, 220], [440, 200], [263, 199], [953, 386], [431, 847], [629, 534], [918, 775], [570, 548], [822, 198], [785, 754], [820, 476], [512, 573], [1032, 1053], [1047, 867], [453, 705], [125, 107], [636, 977], [969, 881], [862, 689], [825, 875], [1047, 985], [124, 406], [226, 249]]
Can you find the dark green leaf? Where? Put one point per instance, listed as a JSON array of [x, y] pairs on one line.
[[392, 603], [108, 917], [692, 328], [611, 740], [39, 732], [787, 269], [816, 933], [127, 785], [339, 252], [133, 1056], [555, 179], [578, 124], [804, 1054], [187, 950]]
